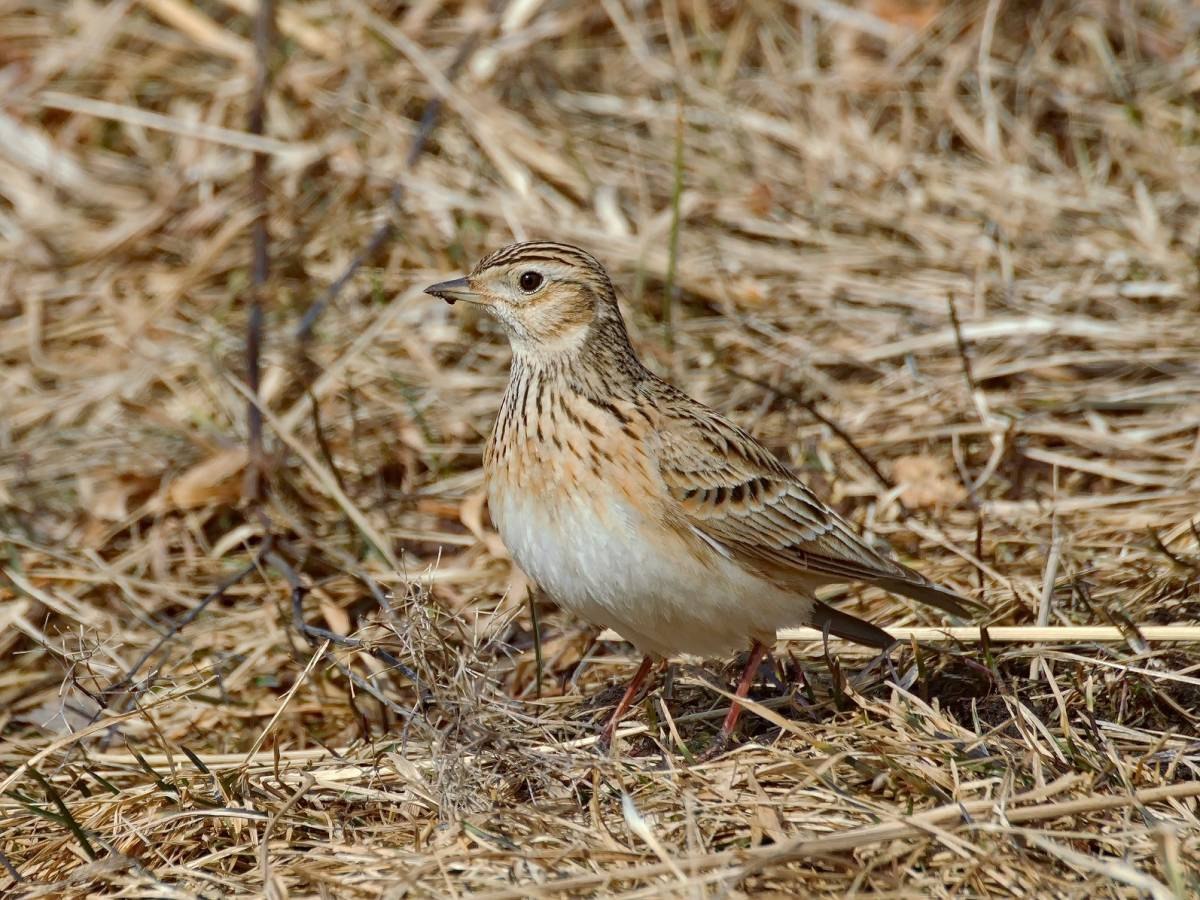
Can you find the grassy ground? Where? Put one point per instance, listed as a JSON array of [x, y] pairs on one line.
[[956, 244]]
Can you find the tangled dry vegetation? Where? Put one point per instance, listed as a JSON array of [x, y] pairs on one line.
[[955, 241]]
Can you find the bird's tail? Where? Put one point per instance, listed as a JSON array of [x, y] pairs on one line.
[[918, 588], [851, 628]]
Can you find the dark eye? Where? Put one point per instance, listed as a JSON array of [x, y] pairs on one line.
[[530, 281]]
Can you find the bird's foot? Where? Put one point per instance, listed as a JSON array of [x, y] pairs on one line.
[[718, 746], [604, 742]]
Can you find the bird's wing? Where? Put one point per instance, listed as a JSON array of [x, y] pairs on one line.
[[737, 495]]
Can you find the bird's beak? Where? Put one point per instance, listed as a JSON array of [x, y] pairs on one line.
[[457, 289]]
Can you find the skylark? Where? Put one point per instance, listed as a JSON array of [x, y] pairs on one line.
[[639, 508]]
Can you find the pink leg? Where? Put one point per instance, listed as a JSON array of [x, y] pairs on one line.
[[610, 728], [757, 652]]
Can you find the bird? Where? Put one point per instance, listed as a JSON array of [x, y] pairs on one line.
[[640, 509]]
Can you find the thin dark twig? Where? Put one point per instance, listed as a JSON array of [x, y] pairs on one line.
[[347, 564], [192, 614], [382, 599], [13, 873], [314, 633], [539, 662], [973, 387], [831, 424], [382, 235], [1167, 552], [126, 682], [433, 108], [961, 343], [254, 419], [323, 443], [671, 289], [264, 27], [388, 230], [979, 573]]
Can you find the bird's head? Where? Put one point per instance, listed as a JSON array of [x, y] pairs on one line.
[[550, 298]]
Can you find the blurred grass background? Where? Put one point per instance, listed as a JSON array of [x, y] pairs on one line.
[[940, 256]]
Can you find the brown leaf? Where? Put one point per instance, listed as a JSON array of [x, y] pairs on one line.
[[335, 617], [927, 481], [761, 199], [214, 481], [110, 497], [912, 14], [471, 515]]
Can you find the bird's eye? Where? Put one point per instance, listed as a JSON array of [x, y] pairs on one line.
[[530, 281]]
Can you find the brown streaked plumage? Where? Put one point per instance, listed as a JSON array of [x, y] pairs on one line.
[[639, 508]]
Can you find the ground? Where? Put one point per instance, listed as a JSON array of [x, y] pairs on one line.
[[939, 257]]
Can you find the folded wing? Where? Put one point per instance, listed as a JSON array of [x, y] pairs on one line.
[[734, 492]]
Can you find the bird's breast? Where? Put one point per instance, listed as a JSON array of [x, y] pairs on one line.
[[573, 495], [580, 504]]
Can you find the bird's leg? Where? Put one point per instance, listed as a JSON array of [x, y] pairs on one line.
[[635, 683], [757, 651]]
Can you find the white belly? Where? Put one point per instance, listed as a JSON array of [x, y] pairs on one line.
[[590, 554]]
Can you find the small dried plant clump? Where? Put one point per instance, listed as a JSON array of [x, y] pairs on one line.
[[939, 256]]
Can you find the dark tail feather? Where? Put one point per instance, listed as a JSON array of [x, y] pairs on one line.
[[847, 626], [927, 592]]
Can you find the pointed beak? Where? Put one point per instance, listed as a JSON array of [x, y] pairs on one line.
[[457, 289]]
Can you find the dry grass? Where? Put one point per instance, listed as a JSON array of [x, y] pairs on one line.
[[846, 181]]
